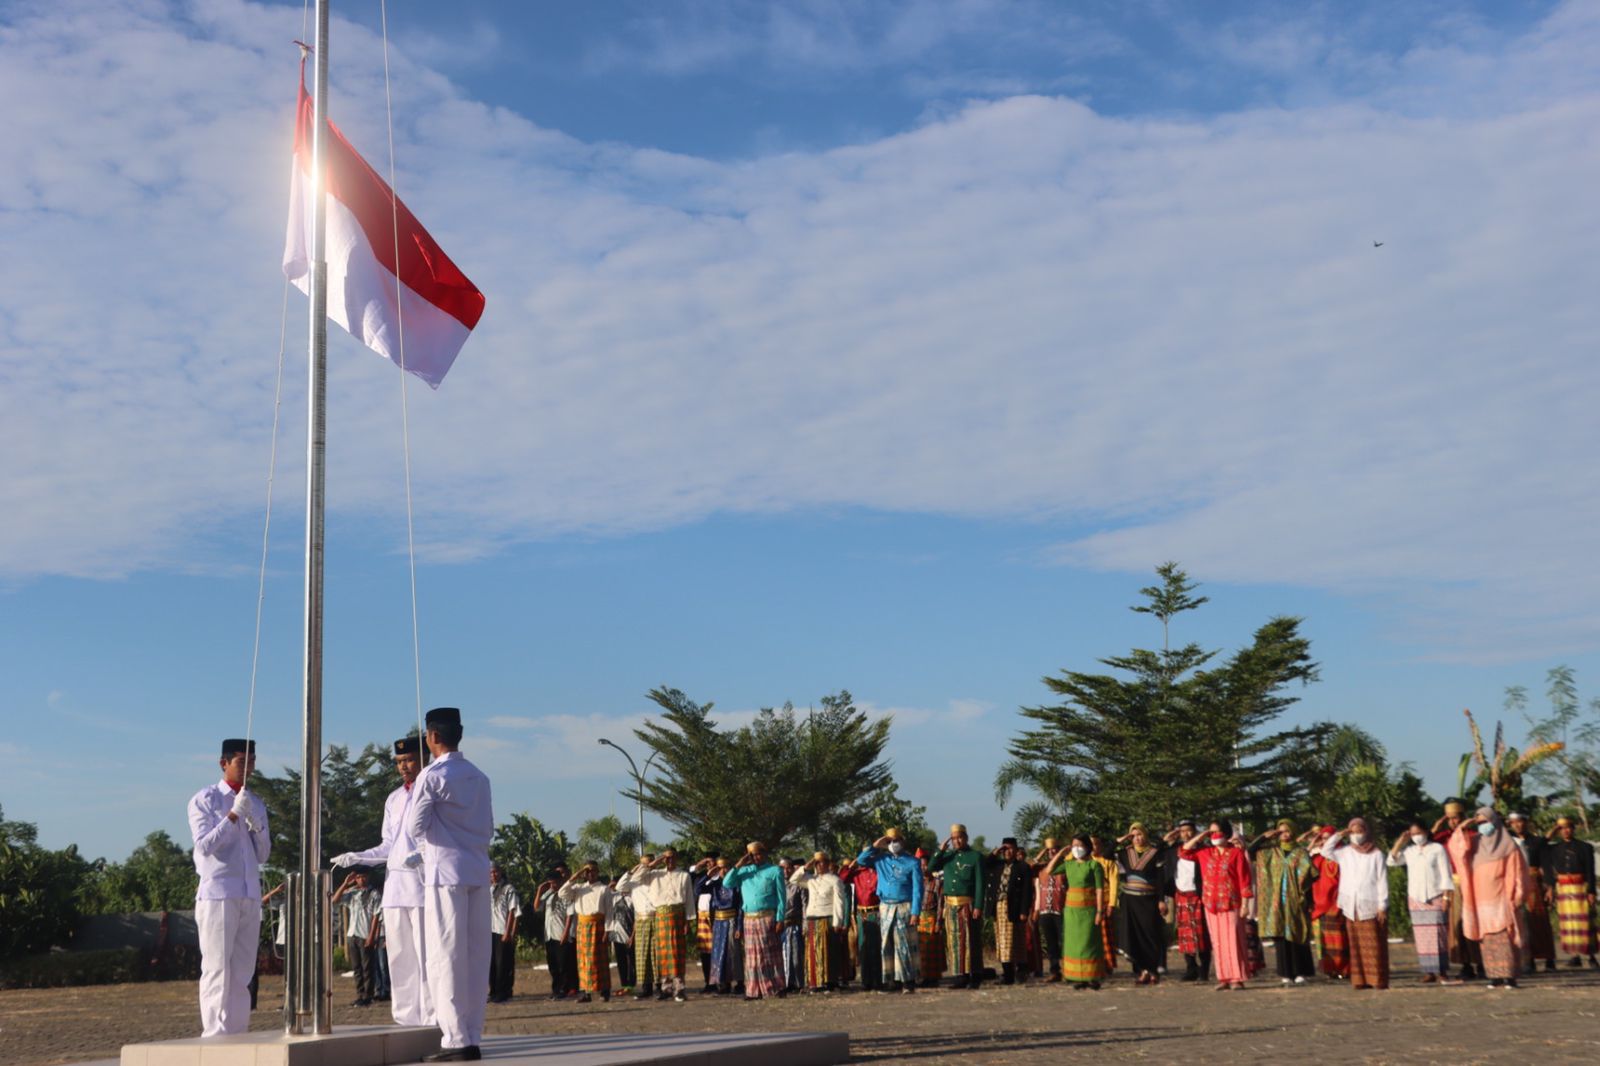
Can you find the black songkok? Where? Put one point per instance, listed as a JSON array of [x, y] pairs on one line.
[[237, 746], [450, 716], [408, 746]]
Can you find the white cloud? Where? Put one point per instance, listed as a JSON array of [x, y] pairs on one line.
[[1174, 332]]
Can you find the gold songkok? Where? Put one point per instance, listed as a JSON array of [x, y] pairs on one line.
[[892, 833], [958, 830], [1453, 809], [820, 856]]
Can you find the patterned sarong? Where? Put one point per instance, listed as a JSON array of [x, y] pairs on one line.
[[1573, 921], [1499, 956], [594, 961], [1108, 937], [1369, 953], [703, 932], [1256, 955], [1009, 940], [1082, 941], [794, 956], [822, 953], [671, 950], [958, 946], [1541, 942], [1430, 927], [722, 968], [899, 943], [1335, 948], [931, 939], [763, 958], [1191, 923], [644, 954]]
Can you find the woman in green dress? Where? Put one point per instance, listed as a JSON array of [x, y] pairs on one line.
[[1083, 961]]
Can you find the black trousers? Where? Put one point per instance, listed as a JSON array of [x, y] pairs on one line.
[[563, 979], [364, 961], [1050, 940], [502, 967], [1294, 960], [869, 953], [625, 973]]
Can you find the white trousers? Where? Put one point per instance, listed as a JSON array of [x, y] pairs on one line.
[[457, 952], [409, 1000], [230, 936]]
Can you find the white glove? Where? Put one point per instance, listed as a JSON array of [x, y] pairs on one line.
[[413, 860], [241, 803], [347, 859]]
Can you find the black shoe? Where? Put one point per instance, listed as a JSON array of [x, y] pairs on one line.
[[585, 998], [1575, 964], [455, 1054], [1594, 964], [677, 997], [1549, 965], [662, 997]]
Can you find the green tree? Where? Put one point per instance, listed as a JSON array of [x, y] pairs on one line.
[[784, 779], [607, 842], [1050, 812], [1573, 774], [158, 876], [528, 853], [1502, 767], [353, 794], [40, 891], [1168, 734]]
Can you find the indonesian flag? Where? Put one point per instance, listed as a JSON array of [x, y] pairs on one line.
[[370, 293]]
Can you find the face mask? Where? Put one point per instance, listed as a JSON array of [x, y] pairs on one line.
[[1358, 838], [1486, 828], [895, 847], [1286, 845], [1080, 852], [1418, 839], [1217, 838]]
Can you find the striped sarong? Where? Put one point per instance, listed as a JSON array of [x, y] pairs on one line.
[[703, 932], [1430, 926], [594, 961], [1256, 955], [1335, 948], [1191, 923], [671, 949], [644, 954], [1574, 925], [931, 940], [1369, 953], [899, 943], [823, 952], [958, 945], [763, 958], [1009, 940], [1500, 960], [1081, 938]]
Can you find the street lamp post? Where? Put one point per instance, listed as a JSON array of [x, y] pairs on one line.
[[638, 781]]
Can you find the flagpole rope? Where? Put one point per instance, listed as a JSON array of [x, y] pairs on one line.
[[400, 330]]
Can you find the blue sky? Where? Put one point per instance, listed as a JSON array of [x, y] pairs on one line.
[[872, 346]]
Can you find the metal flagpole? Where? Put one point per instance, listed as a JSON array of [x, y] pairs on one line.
[[310, 952]]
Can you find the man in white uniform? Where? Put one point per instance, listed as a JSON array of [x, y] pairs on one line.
[[231, 841], [451, 815], [409, 1000]]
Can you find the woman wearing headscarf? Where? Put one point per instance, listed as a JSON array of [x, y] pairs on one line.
[[1226, 889], [1428, 897], [1364, 901], [1283, 900], [1143, 868], [1083, 961], [1325, 906], [1494, 876]]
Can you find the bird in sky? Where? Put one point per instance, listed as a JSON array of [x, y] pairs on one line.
[[1377, 244]]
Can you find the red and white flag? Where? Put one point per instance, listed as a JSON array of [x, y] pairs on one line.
[[434, 301]]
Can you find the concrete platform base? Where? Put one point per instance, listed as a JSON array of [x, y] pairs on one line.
[[358, 1046], [351, 1045]]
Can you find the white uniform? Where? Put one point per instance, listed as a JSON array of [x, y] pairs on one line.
[[403, 922], [453, 818], [227, 906]]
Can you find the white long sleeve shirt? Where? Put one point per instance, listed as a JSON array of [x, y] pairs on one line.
[[227, 855], [1363, 880], [402, 885], [668, 888], [638, 890], [826, 895], [591, 899], [1427, 871], [453, 817]]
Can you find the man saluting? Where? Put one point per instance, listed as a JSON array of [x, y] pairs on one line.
[[452, 818], [409, 1001], [231, 842]]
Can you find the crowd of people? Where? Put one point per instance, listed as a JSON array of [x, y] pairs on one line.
[[1488, 898]]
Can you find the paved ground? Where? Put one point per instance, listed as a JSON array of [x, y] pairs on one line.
[[1553, 1019]]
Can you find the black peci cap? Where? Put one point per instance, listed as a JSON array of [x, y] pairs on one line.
[[238, 746], [408, 746], [444, 716]]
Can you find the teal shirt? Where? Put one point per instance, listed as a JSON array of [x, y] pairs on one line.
[[963, 874], [761, 888]]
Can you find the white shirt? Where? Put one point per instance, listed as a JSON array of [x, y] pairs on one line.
[[503, 903], [361, 907], [591, 899], [1427, 871], [227, 856], [638, 890], [826, 895], [669, 888], [555, 916], [453, 817], [1363, 880], [1186, 874], [402, 885], [619, 926]]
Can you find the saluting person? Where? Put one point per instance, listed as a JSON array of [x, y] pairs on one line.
[[231, 842], [453, 818], [409, 1000]]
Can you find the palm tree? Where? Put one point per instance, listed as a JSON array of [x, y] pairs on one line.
[[608, 842], [1502, 772], [1049, 815]]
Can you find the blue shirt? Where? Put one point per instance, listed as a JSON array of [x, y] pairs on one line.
[[899, 877], [761, 888]]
